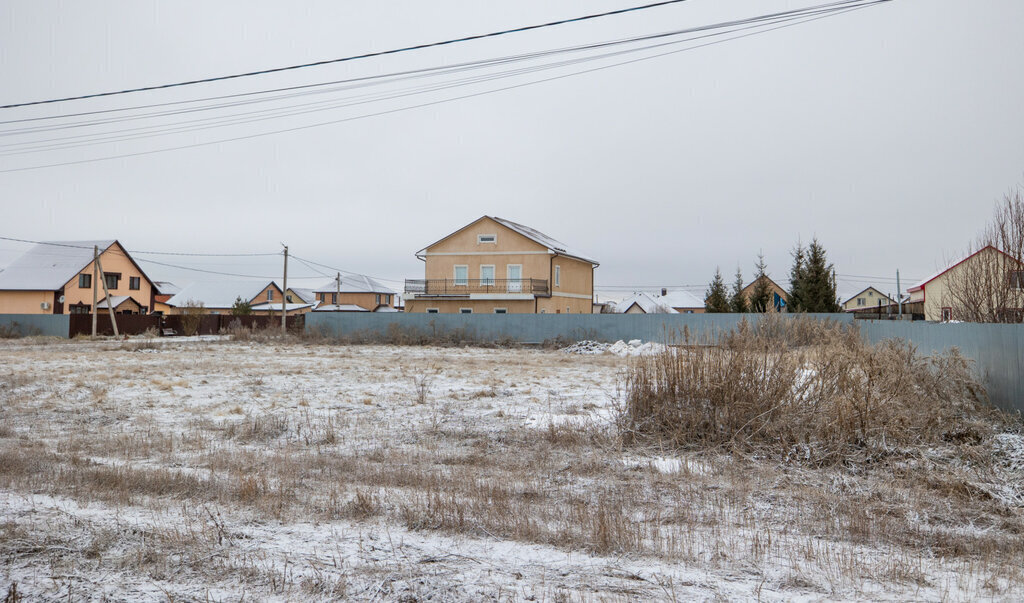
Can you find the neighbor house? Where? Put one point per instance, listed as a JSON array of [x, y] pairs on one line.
[[219, 297], [355, 293], [681, 301], [987, 267], [643, 303], [493, 265], [59, 278], [778, 294], [866, 299], [164, 291]]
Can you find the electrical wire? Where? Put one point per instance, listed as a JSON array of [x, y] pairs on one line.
[[431, 103], [353, 57]]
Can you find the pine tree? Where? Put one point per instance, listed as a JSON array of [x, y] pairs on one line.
[[761, 295], [738, 301], [717, 298], [818, 288], [794, 299], [241, 307]]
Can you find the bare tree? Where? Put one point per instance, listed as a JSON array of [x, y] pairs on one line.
[[988, 286]]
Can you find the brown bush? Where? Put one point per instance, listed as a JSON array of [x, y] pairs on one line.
[[809, 391]]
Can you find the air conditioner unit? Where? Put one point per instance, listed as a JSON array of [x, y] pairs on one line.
[[45, 305]]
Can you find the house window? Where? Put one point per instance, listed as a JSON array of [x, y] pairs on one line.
[[387, 299], [861, 301], [378, 299], [871, 293], [465, 310], [432, 311], [334, 299], [558, 276], [486, 238], [134, 282], [289, 298], [947, 314], [84, 281], [487, 275], [501, 310], [80, 308], [270, 295], [1017, 279], [112, 279], [462, 276]]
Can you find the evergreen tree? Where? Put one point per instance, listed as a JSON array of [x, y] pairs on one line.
[[738, 301], [761, 295], [717, 298], [241, 308], [794, 299], [818, 284]]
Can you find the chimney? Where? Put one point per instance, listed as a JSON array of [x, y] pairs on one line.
[[664, 291]]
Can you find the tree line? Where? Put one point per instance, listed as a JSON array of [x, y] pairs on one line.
[[812, 286]]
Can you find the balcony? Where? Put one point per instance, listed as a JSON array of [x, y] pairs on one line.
[[491, 288]]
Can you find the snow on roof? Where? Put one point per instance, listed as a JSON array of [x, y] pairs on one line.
[[681, 299], [218, 294], [543, 239], [48, 266], [939, 273], [646, 302], [275, 305], [166, 288], [340, 308], [355, 284], [306, 295], [117, 299]]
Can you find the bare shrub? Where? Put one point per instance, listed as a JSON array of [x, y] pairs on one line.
[[821, 403], [191, 316], [259, 429]]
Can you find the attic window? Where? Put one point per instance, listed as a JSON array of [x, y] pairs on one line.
[[486, 238]]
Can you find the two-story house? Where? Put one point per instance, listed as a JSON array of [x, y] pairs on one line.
[[59, 278], [493, 265], [219, 297], [354, 293], [867, 299]]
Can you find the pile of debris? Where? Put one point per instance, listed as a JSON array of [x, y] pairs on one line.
[[634, 347]]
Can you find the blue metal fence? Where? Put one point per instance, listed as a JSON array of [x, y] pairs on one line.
[[55, 325]]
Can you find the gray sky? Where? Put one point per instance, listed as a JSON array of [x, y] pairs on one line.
[[888, 133]]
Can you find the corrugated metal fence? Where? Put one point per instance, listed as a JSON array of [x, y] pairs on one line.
[[26, 325]]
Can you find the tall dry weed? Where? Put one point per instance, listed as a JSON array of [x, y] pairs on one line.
[[803, 390]]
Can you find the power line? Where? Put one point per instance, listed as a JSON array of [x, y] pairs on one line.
[[437, 102], [353, 57], [55, 244]]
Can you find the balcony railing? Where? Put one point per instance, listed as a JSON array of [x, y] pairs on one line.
[[448, 286]]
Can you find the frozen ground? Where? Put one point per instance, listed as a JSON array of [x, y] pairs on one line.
[[212, 470]]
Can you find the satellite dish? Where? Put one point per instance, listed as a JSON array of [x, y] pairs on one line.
[[60, 300]]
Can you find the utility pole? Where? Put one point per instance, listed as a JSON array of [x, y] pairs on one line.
[[284, 294], [106, 292], [337, 295], [95, 283], [899, 294]]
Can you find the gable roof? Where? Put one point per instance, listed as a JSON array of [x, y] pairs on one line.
[[931, 278], [681, 299], [306, 295], [117, 300], [855, 295], [645, 302], [49, 266], [219, 294], [530, 233], [357, 283], [166, 288], [768, 278]]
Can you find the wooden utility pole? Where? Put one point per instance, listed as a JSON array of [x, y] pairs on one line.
[[95, 283], [106, 292], [337, 296], [284, 294]]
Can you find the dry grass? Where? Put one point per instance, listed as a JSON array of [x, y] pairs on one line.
[[386, 499]]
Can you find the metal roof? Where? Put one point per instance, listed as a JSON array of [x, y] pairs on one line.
[[539, 237], [680, 299], [354, 284], [49, 266], [219, 294]]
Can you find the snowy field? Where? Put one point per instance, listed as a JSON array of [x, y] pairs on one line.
[[217, 470]]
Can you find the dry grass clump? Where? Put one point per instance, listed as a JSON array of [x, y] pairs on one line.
[[804, 390]]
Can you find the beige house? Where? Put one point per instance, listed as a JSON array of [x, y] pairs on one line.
[[493, 265], [867, 299], [264, 298], [778, 294], [682, 301], [355, 293], [936, 293], [58, 278]]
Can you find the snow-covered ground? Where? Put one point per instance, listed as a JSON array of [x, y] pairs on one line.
[[211, 469]]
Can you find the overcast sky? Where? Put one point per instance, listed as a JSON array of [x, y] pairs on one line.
[[888, 133]]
